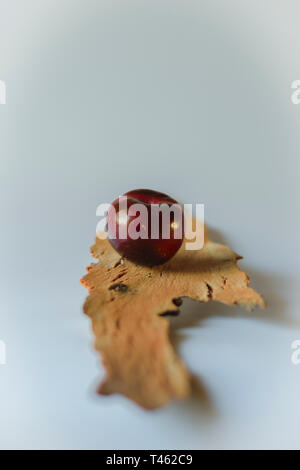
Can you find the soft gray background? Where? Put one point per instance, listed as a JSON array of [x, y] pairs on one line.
[[188, 97]]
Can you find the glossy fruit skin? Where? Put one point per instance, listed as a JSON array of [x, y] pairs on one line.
[[142, 251]]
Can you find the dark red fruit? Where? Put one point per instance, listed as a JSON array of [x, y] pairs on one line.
[[145, 249]]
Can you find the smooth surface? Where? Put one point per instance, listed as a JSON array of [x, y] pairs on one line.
[[187, 97]]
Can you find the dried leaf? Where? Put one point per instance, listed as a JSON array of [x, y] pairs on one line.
[[127, 303]]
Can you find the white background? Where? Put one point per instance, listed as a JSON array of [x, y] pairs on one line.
[[192, 98]]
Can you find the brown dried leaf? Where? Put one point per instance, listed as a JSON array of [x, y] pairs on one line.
[[126, 302]]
